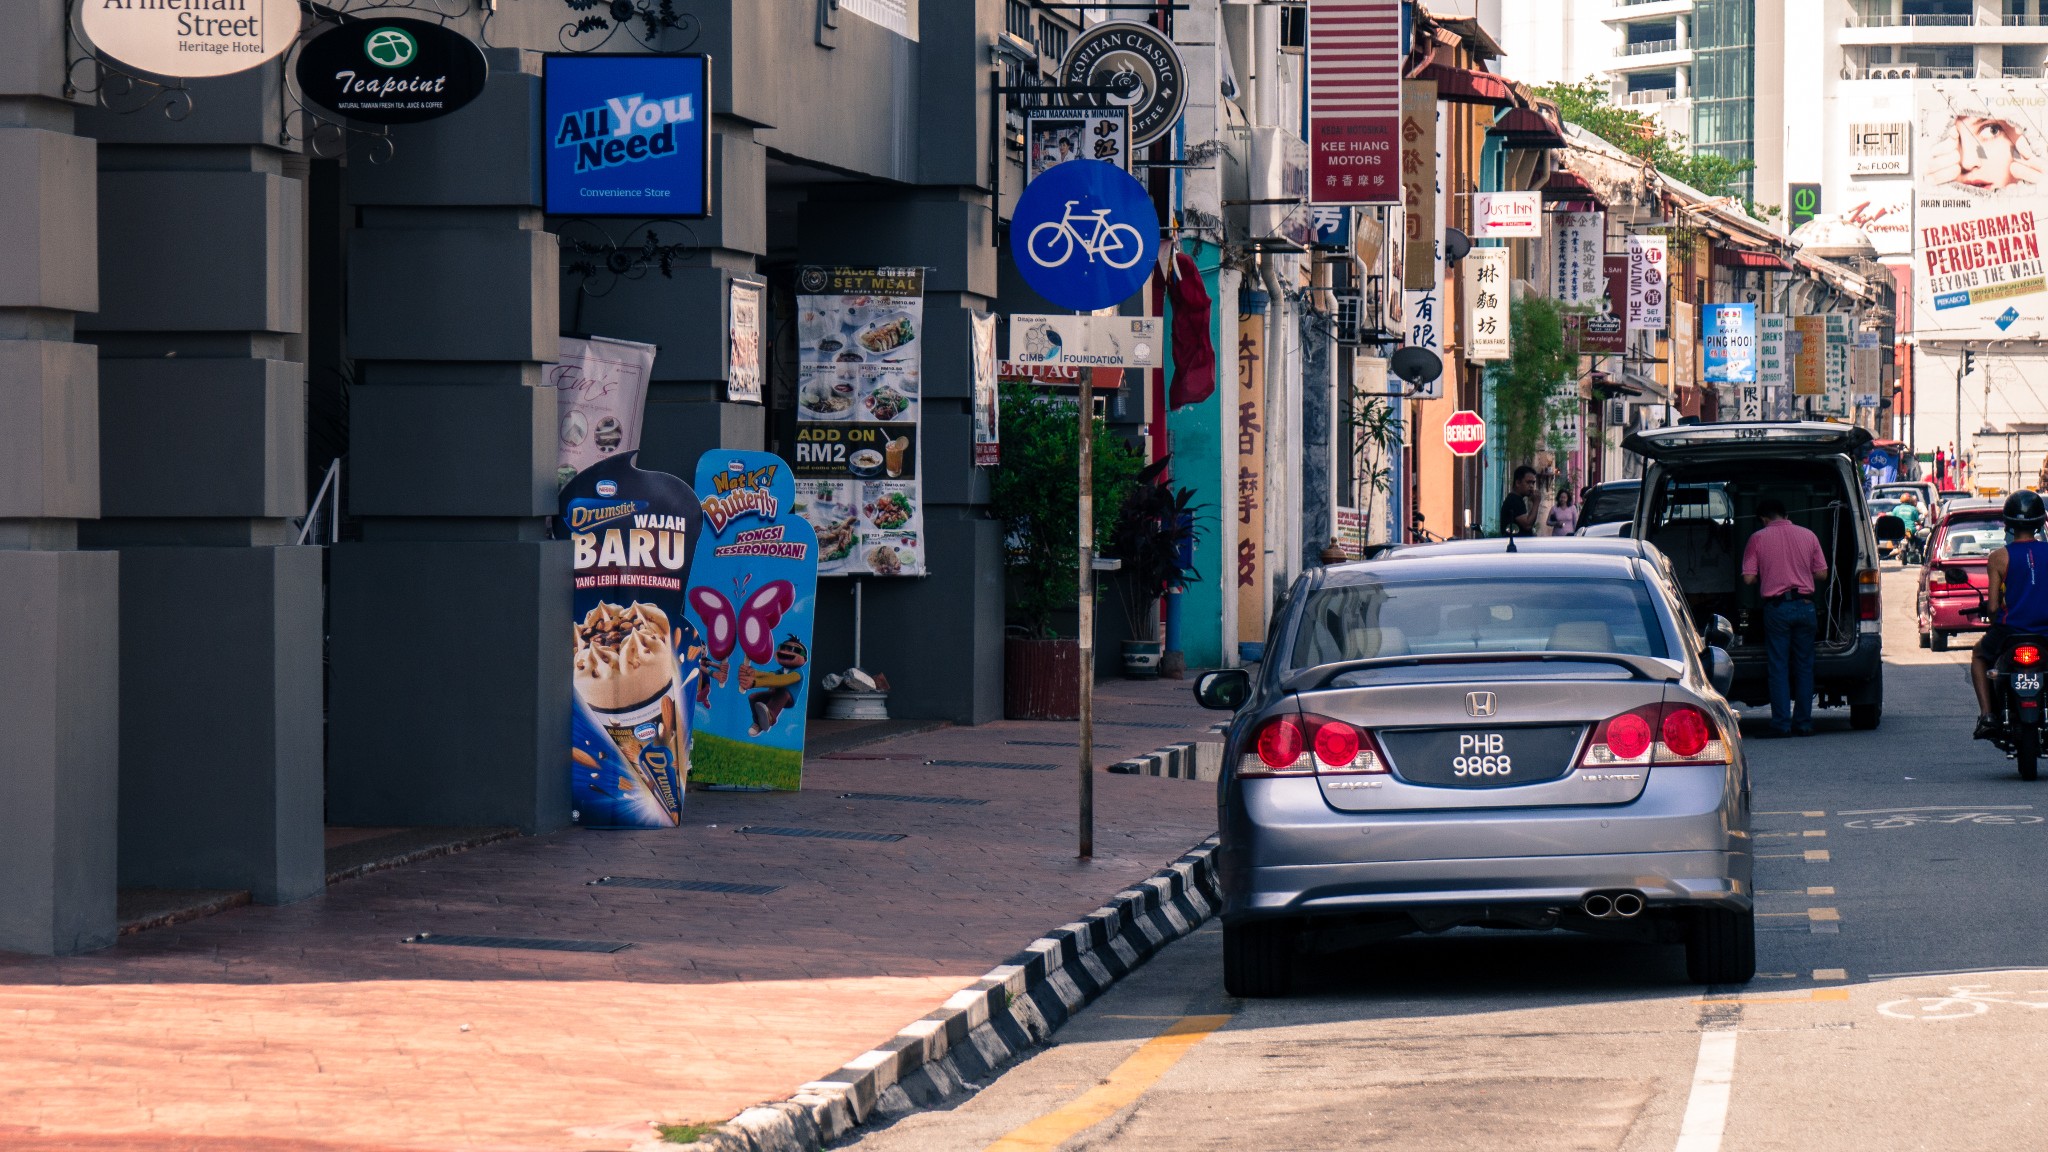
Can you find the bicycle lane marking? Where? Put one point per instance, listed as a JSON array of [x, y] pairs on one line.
[[1713, 1080]]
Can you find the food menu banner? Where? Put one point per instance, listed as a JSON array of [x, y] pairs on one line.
[[860, 352], [753, 598]]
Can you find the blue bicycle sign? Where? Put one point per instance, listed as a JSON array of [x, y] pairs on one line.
[[1089, 234]]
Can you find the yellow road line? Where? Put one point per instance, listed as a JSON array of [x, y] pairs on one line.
[[1822, 914], [1121, 1088], [1808, 815], [1830, 973], [1813, 833], [1817, 996], [1817, 855], [1821, 891]]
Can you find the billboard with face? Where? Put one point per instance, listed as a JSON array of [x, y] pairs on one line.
[[1978, 203]]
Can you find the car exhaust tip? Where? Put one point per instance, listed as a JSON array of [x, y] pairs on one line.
[[1598, 905], [1627, 905]]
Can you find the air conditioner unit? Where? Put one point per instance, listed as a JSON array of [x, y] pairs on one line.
[[1617, 414], [1892, 72], [1293, 28], [1350, 314]]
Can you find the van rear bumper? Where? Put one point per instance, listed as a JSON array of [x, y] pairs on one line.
[[1853, 672]]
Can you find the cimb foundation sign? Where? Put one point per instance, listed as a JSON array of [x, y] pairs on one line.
[[190, 38], [628, 135]]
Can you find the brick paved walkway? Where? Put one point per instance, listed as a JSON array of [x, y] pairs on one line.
[[311, 1027]]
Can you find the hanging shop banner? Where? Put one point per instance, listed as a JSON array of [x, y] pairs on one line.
[[1251, 477], [189, 39], [1577, 246], [1057, 135], [1810, 355], [1354, 101], [1087, 341], [1979, 202], [1089, 235], [1728, 334], [1424, 315], [636, 654], [1835, 398], [987, 391], [1682, 347], [1330, 229], [1418, 183], [627, 135], [743, 368], [1507, 215], [1141, 63], [1880, 149], [600, 393], [753, 598], [1772, 362], [1646, 287], [391, 71], [1486, 304], [860, 351]]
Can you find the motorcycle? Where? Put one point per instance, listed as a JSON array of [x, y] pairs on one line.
[[2016, 693], [1913, 549]]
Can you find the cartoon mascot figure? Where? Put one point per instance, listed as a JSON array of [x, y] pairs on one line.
[[777, 686]]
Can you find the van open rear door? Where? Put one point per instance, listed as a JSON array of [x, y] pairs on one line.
[[1703, 442]]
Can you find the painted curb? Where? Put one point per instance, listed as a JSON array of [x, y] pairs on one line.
[[1188, 761], [989, 1024]]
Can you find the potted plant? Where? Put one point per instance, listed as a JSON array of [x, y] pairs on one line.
[[1153, 530], [1035, 494]]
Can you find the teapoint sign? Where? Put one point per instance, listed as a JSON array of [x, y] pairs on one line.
[[191, 38], [627, 135]]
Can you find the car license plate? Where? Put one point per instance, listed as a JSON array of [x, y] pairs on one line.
[[2026, 682], [1482, 757]]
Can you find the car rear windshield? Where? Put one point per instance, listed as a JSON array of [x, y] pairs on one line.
[[1967, 538], [1608, 505], [1362, 621]]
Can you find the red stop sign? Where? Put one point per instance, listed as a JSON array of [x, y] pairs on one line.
[[1464, 433]]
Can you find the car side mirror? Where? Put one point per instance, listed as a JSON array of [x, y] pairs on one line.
[[1720, 633], [1225, 689], [1720, 669], [1890, 528]]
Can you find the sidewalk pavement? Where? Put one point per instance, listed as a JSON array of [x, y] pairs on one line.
[[312, 1027]]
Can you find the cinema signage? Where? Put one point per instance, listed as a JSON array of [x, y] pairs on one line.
[[394, 71]]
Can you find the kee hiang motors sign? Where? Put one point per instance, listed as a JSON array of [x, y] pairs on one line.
[[627, 135]]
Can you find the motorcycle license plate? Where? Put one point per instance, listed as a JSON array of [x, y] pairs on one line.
[[2026, 682]]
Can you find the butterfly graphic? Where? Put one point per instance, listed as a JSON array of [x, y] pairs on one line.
[[751, 629]]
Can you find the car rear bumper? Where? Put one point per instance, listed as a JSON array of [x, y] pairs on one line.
[[1287, 853]]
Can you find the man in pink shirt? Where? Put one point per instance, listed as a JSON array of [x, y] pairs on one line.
[[1784, 560]]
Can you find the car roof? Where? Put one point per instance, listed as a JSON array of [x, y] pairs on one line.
[[1605, 485], [1583, 557], [1974, 504]]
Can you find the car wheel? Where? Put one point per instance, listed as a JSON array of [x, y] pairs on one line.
[[1926, 640], [1258, 959], [1722, 947], [1938, 640], [1864, 717]]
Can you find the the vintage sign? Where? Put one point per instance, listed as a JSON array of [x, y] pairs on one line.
[[1354, 101], [987, 391], [627, 135], [1251, 478], [1143, 67], [1880, 149], [1486, 304], [1087, 341], [1507, 215], [633, 535], [1084, 234], [860, 352], [1728, 336], [743, 367], [391, 71], [1057, 135], [600, 389], [753, 597], [1577, 246], [189, 39], [1419, 167], [1646, 283]]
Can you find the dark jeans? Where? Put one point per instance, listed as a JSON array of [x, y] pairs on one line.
[[1788, 652]]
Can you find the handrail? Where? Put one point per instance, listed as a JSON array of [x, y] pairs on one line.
[[331, 481]]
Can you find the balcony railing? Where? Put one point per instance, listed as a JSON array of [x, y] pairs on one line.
[[1646, 47], [2022, 20], [1887, 20], [2022, 72], [1914, 72], [1651, 96]]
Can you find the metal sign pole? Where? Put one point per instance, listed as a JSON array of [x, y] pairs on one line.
[[1087, 610]]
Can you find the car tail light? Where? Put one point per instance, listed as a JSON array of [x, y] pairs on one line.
[[1655, 734], [1868, 604], [2026, 654], [1305, 745]]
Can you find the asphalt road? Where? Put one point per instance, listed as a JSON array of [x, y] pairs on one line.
[[1900, 1003]]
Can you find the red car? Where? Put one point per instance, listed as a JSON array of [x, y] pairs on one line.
[[1969, 532]]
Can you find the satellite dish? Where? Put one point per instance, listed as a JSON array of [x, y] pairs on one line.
[[1456, 244], [1418, 366]]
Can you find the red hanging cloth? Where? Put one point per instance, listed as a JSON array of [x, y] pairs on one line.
[[1194, 355]]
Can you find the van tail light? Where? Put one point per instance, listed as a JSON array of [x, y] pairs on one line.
[[1655, 734], [1868, 605], [2026, 654], [1310, 745]]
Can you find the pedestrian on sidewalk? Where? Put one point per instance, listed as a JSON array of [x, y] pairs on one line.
[[1784, 560], [1518, 509], [1564, 515]]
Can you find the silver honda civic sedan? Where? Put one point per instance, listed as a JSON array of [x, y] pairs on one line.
[[1465, 735]]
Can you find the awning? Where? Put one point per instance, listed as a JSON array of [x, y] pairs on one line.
[[1743, 258], [1466, 86], [1525, 128], [1564, 185]]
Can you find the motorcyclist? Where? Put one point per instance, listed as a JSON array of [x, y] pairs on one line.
[[2018, 597], [1908, 512]]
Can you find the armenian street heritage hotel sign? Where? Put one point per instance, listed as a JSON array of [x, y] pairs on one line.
[[191, 38]]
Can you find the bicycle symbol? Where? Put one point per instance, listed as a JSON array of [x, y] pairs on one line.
[[1119, 245], [1914, 819], [1962, 1001]]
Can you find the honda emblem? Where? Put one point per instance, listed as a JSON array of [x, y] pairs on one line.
[[1479, 704]]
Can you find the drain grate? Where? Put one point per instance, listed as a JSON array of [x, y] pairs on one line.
[[820, 833], [1137, 724], [685, 885], [1044, 743], [517, 942], [992, 764], [909, 799]]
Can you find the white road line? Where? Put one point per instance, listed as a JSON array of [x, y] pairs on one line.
[[1706, 1110], [1942, 808]]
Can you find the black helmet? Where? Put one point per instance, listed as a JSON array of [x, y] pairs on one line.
[[2024, 511]]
